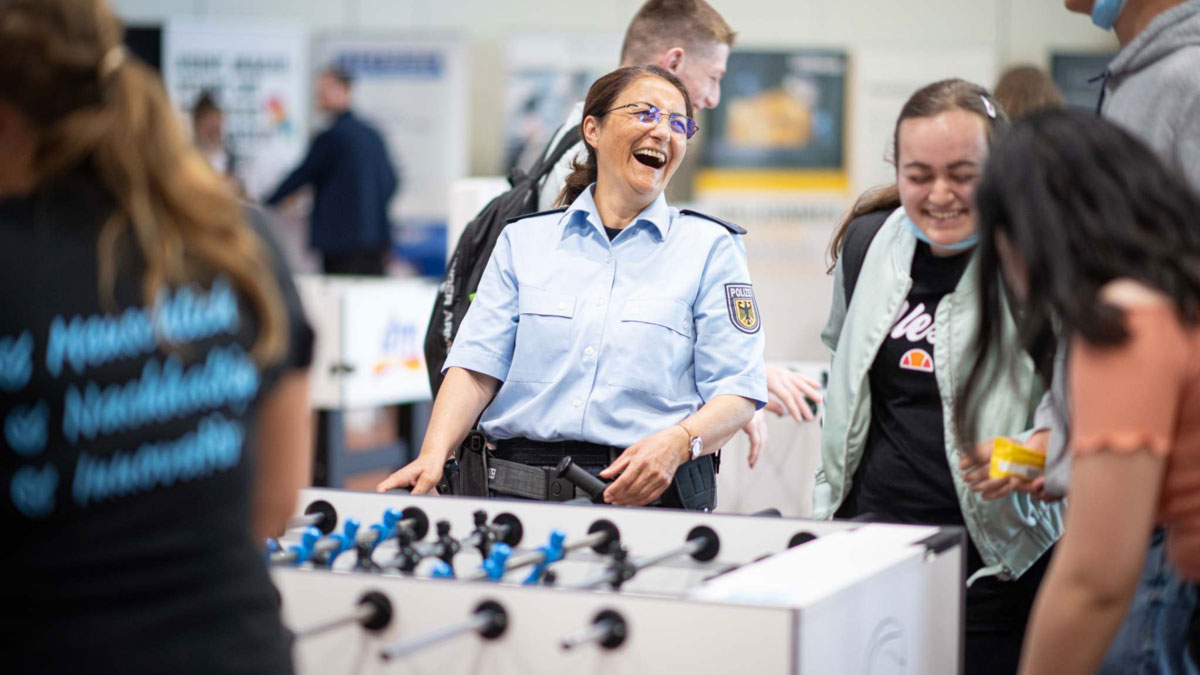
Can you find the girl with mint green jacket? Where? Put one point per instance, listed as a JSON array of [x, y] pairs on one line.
[[901, 348]]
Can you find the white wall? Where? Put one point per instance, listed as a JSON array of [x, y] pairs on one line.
[[1017, 30]]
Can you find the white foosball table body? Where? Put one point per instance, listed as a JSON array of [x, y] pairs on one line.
[[859, 598]]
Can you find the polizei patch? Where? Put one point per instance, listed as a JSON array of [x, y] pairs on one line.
[[743, 309]]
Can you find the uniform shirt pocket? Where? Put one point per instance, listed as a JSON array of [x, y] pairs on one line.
[[543, 334], [654, 348]]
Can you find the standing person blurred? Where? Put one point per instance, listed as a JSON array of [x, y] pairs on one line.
[[208, 122], [1152, 87], [1094, 234], [153, 378], [353, 181], [900, 326], [208, 133], [1025, 89]]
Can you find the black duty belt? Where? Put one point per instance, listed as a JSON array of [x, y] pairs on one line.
[[520, 467]]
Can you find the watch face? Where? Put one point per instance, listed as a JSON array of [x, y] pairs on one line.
[[695, 446]]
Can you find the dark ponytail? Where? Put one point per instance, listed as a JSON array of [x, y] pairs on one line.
[[600, 98]]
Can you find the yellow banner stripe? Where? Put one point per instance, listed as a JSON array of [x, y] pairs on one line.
[[756, 180]]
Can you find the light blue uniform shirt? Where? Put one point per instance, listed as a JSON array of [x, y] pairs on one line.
[[610, 342]]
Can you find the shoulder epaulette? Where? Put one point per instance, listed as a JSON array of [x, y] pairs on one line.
[[560, 209], [736, 229]]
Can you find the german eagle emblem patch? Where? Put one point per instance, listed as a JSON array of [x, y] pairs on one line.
[[743, 309]]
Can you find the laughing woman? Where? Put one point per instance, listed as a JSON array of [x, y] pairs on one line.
[[902, 319], [617, 330]]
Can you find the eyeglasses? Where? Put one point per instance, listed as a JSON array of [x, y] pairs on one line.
[[649, 115]]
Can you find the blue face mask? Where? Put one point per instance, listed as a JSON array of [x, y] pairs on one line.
[[1106, 12], [963, 245]]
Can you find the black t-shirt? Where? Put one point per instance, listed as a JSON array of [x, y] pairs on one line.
[[904, 475], [127, 469]]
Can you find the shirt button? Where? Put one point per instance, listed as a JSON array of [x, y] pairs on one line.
[[576, 403], [608, 260], [589, 351], [562, 305]]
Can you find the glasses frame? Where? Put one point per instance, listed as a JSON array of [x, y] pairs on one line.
[[689, 125]]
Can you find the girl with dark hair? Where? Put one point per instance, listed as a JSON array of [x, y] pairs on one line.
[[899, 334], [1097, 237], [153, 382], [617, 330]]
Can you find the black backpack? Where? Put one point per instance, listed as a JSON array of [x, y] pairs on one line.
[[475, 248]]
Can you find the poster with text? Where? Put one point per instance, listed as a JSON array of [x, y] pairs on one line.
[[781, 123], [414, 90], [548, 74], [258, 73]]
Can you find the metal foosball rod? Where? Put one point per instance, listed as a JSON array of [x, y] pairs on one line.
[[411, 524], [374, 613], [319, 514], [505, 527], [411, 553], [319, 549], [702, 545], [608, 629], [489, 621], [600, 535]]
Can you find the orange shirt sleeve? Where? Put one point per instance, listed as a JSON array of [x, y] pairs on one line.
[[1126, 397]]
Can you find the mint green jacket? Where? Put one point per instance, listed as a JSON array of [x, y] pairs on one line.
[[1010, 533]]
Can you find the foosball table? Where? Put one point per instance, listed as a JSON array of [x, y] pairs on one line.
[[395, 583]]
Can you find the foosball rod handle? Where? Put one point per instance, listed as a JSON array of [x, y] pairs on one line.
[[590, 485], [489, 621]]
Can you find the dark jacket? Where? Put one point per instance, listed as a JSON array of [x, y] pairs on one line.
[[352, 180]]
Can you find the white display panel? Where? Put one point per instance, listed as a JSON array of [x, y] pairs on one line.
[[370, 334], [258, 72]]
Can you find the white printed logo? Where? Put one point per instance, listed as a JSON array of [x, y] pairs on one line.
[[915, 326]]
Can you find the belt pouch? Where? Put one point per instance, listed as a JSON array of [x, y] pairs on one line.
[[472, 477]]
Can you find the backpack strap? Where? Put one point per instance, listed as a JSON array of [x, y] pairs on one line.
[[859, 234], [736, 229], [551, 157]]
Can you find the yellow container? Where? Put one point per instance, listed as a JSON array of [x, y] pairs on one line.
[[1010, 460]]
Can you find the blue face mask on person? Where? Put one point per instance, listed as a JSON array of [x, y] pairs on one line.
[[963, 245], [1106, 12]]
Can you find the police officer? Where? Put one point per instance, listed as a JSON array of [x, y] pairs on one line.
[[618, 330]]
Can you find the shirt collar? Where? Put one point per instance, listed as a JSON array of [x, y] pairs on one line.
[[583, 210]]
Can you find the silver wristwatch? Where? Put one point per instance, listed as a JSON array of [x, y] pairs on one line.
[[695, 443]]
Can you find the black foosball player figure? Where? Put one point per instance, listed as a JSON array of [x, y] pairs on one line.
[[617, 330]]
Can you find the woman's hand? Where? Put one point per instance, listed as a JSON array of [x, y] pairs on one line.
[[420, 475], [788, 390], [756, 432], [646, 468], [974, 466]]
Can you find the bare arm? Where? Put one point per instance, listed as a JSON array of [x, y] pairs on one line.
[[285, 444], [460, 401], [1097, 564], [647, 467]]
